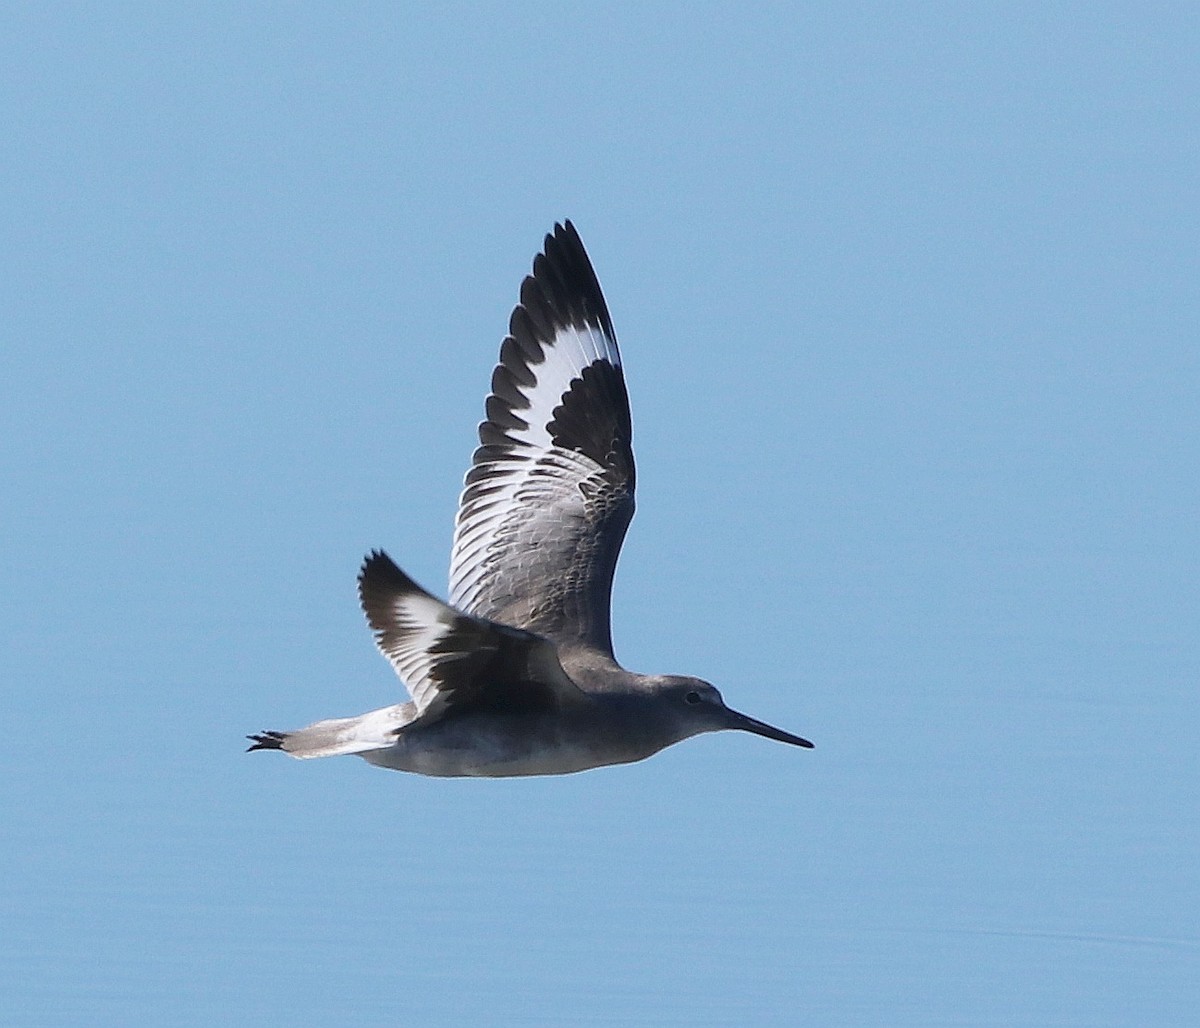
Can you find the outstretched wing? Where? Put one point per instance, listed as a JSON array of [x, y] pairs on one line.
[[452, 661], [550, 491]]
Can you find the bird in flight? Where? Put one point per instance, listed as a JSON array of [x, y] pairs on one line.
[[516, 674]]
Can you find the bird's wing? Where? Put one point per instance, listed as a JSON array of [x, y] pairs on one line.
[[452, 661], [550, 491]]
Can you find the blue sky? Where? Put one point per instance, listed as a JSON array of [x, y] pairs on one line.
[[907, 298]]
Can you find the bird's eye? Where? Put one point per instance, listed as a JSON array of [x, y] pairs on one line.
[[692, 697]]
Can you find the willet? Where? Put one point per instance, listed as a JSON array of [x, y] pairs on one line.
[[516, 674]]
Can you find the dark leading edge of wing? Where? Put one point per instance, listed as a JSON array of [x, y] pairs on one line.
[[550, 493]]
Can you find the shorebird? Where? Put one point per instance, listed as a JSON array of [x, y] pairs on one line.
[[516, 674]]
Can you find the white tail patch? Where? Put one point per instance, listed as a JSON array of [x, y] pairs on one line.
[[375, 730]]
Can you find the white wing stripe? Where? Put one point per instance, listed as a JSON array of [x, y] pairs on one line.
[[554, 376], [424, 621]]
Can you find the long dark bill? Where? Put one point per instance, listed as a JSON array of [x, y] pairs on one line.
[[749, 724]]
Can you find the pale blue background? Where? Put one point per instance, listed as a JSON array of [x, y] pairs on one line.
[[908, 298]]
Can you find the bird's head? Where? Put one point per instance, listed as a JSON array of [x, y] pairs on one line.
[[695, 707]]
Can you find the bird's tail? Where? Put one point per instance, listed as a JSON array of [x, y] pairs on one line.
[[372, 731]]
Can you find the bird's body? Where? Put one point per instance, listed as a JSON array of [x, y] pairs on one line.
[[601, 730], [516, 675]]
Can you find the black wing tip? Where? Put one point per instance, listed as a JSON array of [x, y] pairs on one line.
[[266, 741], [566, 234], [380, 581], [379, 570], [375, 563], [564, 281]]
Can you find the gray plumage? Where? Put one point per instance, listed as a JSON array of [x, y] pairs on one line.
[[516, 675]]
